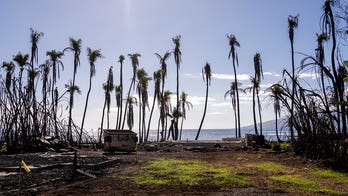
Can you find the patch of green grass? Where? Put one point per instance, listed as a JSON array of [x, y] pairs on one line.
[[240, 158], [189, 173], [151, 180], [271, 166], [303, 185], [341, 178]]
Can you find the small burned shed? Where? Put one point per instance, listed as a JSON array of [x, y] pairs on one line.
[[120, 140]]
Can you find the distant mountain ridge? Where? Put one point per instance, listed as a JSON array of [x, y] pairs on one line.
[[266, 126]]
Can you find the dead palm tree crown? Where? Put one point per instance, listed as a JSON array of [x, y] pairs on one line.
[[22, 61], [34, 39], [9, 68]]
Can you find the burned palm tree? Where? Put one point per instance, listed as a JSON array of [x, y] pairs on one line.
[[31, 87], [329, 27], [108, 88], [165, 109], [163, 63], [292, 24], [142, 89], [75, 47], [206, 73], [34, 39], [9, 69], [255, 85], [93, 55], [258, 76], [118, 92], [130, 113], [177, 58], [45, 70], [55, 63], [119, 119], [135, 64], [184, 104], [276, 94], [233, 54], [157, 75], [232, 92], [71, 89]]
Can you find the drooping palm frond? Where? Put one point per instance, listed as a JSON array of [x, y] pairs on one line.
[[75, 46], [163, 63], [177, 51], [9, 68], [233, 46], [292, 24], [206, 73], [93, 55], [21, 60], [258, 66], [184, 104], [56, 63], [34, 39]]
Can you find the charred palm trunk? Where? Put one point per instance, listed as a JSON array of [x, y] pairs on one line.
[[102, 123], [126, 106], [237, 98], [176, 131], [121, 104], [140, 121], [276, 127], [292, 91], [260, 109], [145, 135], [150, 117], [341, 111], [254, 112], [205, 109], [85, 110]]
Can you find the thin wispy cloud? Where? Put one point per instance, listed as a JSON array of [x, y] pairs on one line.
[[308, 75], [240, 77], [267, 73], [196, 100]]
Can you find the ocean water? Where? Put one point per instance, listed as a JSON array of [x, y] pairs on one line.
[[218, 134]]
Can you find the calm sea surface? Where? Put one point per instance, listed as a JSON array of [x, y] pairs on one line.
[[218, 134]]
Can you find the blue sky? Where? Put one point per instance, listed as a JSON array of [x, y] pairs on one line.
[[128, 26]]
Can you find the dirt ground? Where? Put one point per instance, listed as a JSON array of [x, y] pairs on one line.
[[107, 174]]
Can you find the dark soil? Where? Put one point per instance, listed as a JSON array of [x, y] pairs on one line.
[[52, 173]]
